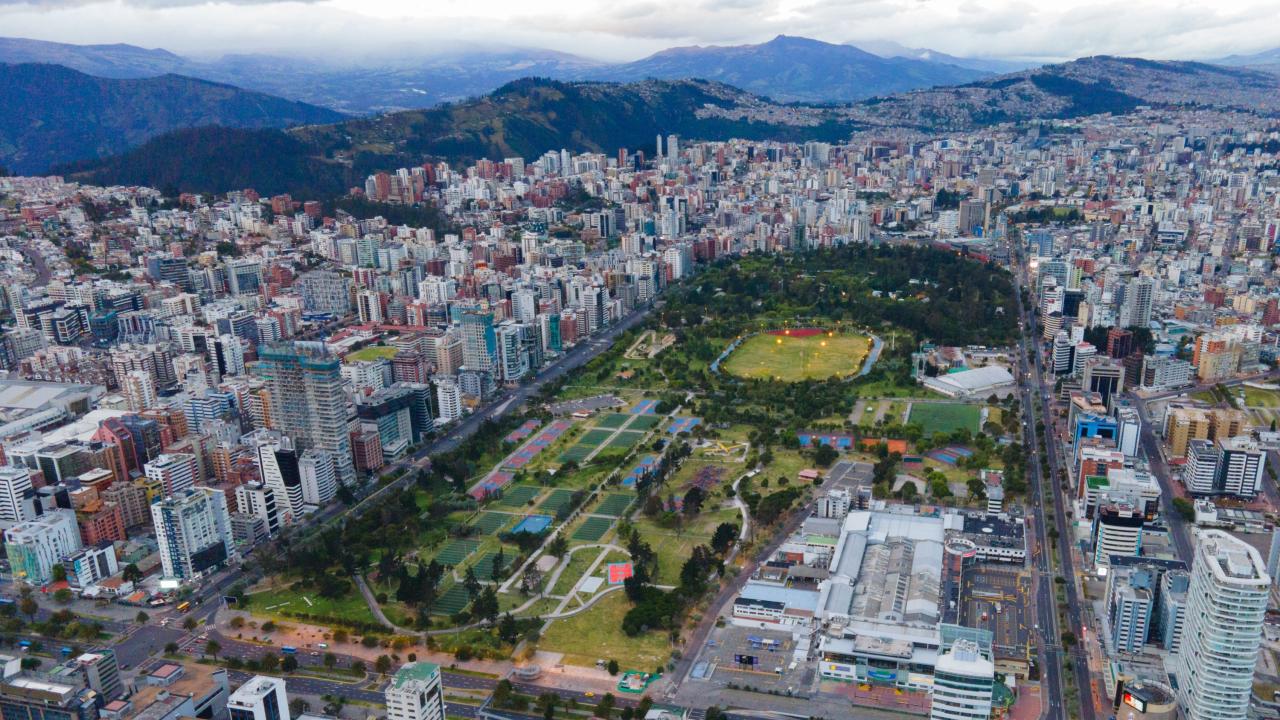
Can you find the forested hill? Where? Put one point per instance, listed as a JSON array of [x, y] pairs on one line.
[[53, 115]]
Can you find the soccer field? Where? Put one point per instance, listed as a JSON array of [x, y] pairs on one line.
[[945, 417], [791, 358]]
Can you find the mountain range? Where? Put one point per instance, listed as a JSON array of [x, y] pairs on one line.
[[530, 116], [53, 114], [785, 68]]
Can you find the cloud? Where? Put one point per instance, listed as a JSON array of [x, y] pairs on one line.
[[399, 30]]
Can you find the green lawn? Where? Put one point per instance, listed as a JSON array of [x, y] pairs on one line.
[[373, 352], [597, 635], [1260, 398], [945, 417], [791, 359], [278, 602]]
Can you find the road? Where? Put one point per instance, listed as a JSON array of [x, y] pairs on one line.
[[1046, 600]]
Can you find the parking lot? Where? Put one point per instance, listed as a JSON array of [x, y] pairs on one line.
[[753, 658], [850, 473], [994, 597]]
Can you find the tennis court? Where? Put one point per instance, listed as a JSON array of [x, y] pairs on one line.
[[645, 407], [456, 551], [644, 422], [625, 439], [577, 453], [517, 495], [453, 600], [556, 500], [533, 524], [613, 420], [614, 504], [593, 529], [484, 566], [491, 522], [595, 436]]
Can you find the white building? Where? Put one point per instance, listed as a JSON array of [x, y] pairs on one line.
[[261, 698], [415, 693], [1226, 603], [979, 382], [260, 500], [175, 472], [193, 530], [834, 504], [962, 683], [280, 471], [319, 478], [15, 489], [448, 400], [35, 546]]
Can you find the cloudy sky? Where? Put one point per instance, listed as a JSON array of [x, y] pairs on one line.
[[628, 29]]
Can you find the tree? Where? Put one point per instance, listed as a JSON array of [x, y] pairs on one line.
[[270, 662], [558, 546], [604, 708], [289, 664], [213, 647], [191, 623], [502, 693], [330, 660], [547, 704], [1068, 639], [132, 573], [725, 536], [613, 667], [28, 606], [486, 604], [141, 618], [62, 596], [59, 573], [1185, 508], [171, 648], [909, 492], [824, 455], [382, 665]]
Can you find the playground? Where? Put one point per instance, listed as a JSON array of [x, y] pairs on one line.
[[798, 354]]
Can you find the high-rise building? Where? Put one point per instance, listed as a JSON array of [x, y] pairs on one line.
[[324, 291], [415, 693], [261, 698], [963, 681], [308, 403], [15, 492], [1117, 529], [1130, 596], [279, 469], [193, 529], [259, 499], [34, 547], [319, 478], [479, 342], [174, 472], [1226, 604]]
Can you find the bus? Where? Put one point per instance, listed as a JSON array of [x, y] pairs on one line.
[[184, 606], [24, 644], [289, 650]]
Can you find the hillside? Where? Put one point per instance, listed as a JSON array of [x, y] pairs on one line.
[[1087, 86], [786, 68], [110, 61], [524, 118], [55, 115], [793, 69], [529, 117]]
